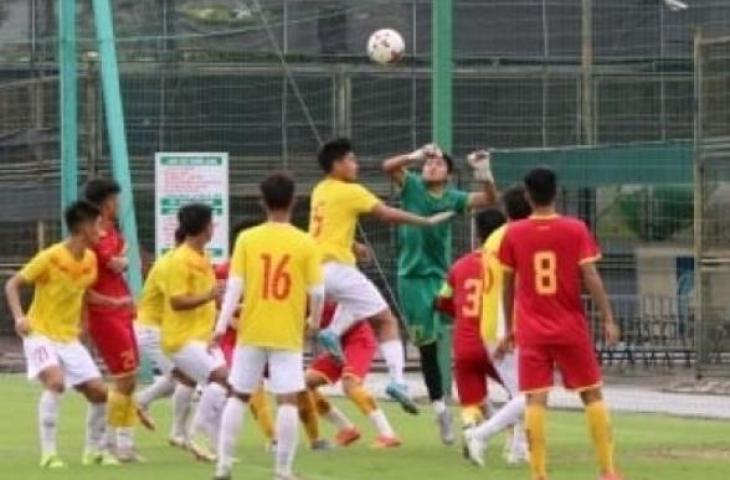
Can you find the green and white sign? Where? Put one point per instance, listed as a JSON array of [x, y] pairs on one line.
[[182, 178]]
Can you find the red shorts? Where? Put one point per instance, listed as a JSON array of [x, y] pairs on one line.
[[359, 347], [471, 369], [228, 345], [114, 338], [576, 363]]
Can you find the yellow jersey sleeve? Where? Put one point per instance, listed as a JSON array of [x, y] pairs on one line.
[[37, 267], [363, 200]]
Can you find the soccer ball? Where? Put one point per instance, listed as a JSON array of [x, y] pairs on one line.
[[386, 46]]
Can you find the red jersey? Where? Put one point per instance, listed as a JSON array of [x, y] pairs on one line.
[[546, 254], [462, 299], [108, 282]]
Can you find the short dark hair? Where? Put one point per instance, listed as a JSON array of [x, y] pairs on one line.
[[194, 218], [98, 190], [78, 213], [179, 236], [487, 221], [542, 185], [277, 190], [515, 202], [333, 151], [449, 162]]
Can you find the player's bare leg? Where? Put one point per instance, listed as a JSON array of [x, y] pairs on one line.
[[391, 347], [599, 423], [96, 451], [207, 419], [52, 380]]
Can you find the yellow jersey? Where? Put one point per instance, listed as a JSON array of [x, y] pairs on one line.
[[60, 282], [492, 319], [187, 273], [334, 210], [279, 264], [152, 299]]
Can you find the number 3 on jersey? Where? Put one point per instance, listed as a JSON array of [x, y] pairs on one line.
[[546, 275], [472, 304], [278, 284]]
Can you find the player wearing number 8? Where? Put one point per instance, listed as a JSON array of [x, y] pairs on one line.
[[552, 257], [277, 268]]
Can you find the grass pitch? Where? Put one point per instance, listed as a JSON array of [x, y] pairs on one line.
[[650, 447]]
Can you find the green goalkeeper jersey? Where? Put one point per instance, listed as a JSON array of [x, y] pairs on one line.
[[427, 251]]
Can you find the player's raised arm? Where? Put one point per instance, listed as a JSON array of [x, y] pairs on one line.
[[594, 285], [397, 167], [396, 215], [480, 162]]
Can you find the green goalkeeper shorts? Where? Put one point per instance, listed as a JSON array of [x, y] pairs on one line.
[[416, 296]]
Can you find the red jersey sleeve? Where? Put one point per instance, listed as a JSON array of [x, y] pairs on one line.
[[589, 250], [506, 254]]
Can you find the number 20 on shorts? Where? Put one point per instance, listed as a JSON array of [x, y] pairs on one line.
[[546, 275]]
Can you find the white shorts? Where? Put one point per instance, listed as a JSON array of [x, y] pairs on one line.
[[286, 370], [73, 358], [149, 344], [506, 367], [352, 290], [195, 361]]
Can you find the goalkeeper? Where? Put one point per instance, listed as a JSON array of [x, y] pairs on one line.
[[424, 255]]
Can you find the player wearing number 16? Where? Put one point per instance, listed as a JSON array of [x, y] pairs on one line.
[[551, 257], [277, 268]]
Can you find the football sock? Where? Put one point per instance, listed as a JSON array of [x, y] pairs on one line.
[[208, 414], [439, 406], [393, 354], [308, 415], [162, 387], [48, 420], [286, 438], [95, 426], [471, 415], [231, 425], [261, 411], [599, 424], [331, 413], [125, 438], [116, 410], [519, 441], [362, 399], [382, 425], [181, 399], [431, 371], [509, 414], [535, 423], [130, 419]]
